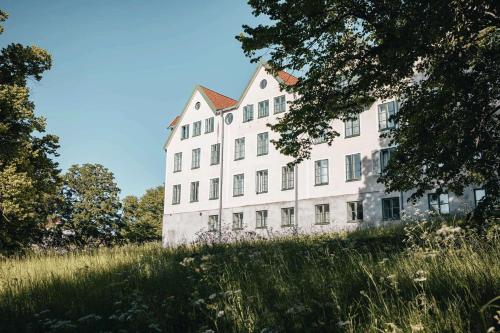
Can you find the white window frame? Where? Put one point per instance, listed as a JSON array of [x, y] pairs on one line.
[[352, 127], [185, 132], [287, 177], [321, 172], [209, 125], [238, 221], [176, 194], [279, 104], [385, 111], [263, 109], [262, 143], [248, 113], [476, 201], [287, 217], [215, 154], [439, 203], [354, 211], [213, 222], [239, 148], [195, 158], [214, 189], [261, 219], [261, 181], [194, 193], [322, 214], [353, 167], [197, 128], [178, 162], [392, 209], [238, 185]]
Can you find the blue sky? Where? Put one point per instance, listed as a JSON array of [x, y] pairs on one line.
[[123, 69]]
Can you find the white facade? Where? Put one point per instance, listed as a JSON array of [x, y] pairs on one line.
[[183, 220]]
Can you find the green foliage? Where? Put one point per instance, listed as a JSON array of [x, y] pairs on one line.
[[440, 58], [143, 217], [91, 205], [29, 178], [367, 281]]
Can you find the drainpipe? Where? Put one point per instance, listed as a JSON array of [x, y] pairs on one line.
[[296, 208], [221, 176]]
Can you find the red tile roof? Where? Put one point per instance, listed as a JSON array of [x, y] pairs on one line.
[[220, 101], [174, 122], [287, 78]]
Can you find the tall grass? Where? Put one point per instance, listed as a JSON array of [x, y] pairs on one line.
[[367, 281]]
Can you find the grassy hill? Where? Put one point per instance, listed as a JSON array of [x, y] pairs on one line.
[[367, 281]]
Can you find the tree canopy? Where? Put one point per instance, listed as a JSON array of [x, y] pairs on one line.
[[440, 59], [29, 177]]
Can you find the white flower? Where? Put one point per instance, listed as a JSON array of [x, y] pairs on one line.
[[417, 328], [220, 313]]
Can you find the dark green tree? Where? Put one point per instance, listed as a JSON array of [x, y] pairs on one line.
[[90, 213], [29, 178], [441, 59], [143, 217]]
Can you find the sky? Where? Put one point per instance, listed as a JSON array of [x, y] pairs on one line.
[[123, 69]]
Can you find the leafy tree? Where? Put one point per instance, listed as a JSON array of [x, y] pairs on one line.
[[29, 178], [143, 217], [441, 59], [91, 205]]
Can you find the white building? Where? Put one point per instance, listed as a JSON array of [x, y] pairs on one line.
[[336, 189]]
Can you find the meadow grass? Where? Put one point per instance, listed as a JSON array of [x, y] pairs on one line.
[[366, 281]]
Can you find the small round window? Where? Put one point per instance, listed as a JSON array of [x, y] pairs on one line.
[[229, 118], [263, 84], [197, 105]]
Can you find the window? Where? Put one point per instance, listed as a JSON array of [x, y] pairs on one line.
[[177, 162], [287, 217], [479, 195], [239, 149], [238, 185], [261, 219], [215, 154], [195, 186], [385, 156], [385, 112], [321, 172], [197, 105], [263, 109], [352, 127], [439, 203], [237, 221], [353, 167], [197, 128], [214, 189], [354, 211], [390, 208], [213, 222], [322, 214], [176, 194], [261, 181], [185, 132], [248, 113], [263, 84], [279, 104], [262, 144], [195, 158], [320, 139], [209, 125], [287, 177]]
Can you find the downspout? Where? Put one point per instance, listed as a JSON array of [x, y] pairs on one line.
[[221, 176], [296, 208]]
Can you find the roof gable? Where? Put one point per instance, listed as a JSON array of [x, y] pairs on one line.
[[219, 101]]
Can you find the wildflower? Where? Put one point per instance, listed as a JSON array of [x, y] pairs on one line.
[[421, 276], [220, 313], [417, 328], [206, 257], [211, 297], [186, 261], [343, 323]]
